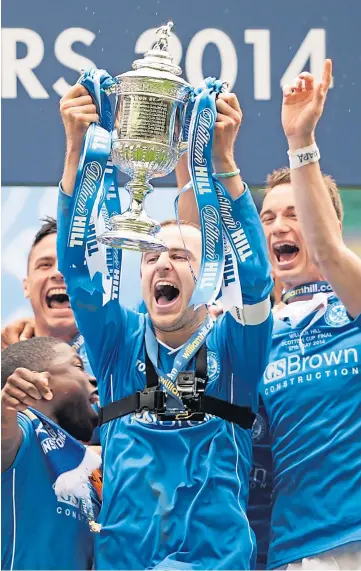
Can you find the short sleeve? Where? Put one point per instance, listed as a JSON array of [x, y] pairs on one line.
[[27, 430]]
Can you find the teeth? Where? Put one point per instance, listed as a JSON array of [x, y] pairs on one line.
[[56, 291], [280, 244], [162, 284]]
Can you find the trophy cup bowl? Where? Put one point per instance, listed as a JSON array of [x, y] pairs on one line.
[[147, 141]]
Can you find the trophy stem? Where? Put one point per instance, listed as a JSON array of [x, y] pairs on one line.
[[138, 190], [134, 230]]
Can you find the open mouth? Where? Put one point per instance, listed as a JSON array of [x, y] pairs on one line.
[[285, 252], [165, 293], [94, 398], [57, 299]]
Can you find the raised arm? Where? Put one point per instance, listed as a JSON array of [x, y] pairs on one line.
[[78, 112], [100, 323], [22, 389], [302, 107], [228, 121]]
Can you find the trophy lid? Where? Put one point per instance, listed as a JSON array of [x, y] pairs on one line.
[[158, 62]]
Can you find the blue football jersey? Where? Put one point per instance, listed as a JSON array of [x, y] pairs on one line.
[[313, 400], [174, 493], [40, 530], [260, 485]]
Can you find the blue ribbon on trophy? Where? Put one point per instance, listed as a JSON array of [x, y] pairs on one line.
[[200, 138], [92, 209], [218, 275]]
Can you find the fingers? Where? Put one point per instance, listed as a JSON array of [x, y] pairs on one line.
[[12, 333], [323, 87], [78, 107], [226, 113], [305, 82], [11, 403], [28, 331], [18, 397], [35, 385], [231, 99], [327, 75], [25, 388], [76, 90], [309, 80], [76, 102]]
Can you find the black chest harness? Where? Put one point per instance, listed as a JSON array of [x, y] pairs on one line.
[[191, 386]]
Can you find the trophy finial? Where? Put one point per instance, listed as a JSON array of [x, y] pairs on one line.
[[163, 33]]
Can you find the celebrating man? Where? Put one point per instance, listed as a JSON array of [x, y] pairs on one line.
[[44, 527], [45, 288], [175, 491], [311, 388]]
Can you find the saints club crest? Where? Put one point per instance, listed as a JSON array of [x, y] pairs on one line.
[[213, 365], [336, 315]]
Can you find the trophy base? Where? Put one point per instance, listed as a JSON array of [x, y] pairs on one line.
[[132, 232]]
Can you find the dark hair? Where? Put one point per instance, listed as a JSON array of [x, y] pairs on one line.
[[34, 354], [49, 227], [283, 176]]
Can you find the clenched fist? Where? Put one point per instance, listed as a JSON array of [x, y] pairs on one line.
[[77, 112], [24, 388], [228, 121]]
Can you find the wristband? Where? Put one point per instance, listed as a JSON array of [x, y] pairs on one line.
[[226, 174], [301, 157]]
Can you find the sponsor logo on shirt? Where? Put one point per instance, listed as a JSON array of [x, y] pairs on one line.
[[259, 428], [295, 369], [258, 477], [336, 315], [147, 417], [213, 365], [70, 506]]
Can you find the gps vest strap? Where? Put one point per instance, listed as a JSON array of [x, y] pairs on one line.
[[154, 399]]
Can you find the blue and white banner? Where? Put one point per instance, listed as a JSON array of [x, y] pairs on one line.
[[200, 138], [96, 196]]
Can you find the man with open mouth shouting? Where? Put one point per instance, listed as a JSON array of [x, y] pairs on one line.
[[175, 483], [311, 387], [45, 288]]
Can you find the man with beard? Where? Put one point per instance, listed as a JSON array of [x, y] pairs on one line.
[[44, 527], [175, 491], [311, 387]]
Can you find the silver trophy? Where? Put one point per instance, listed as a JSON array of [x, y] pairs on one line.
[[148, 139]]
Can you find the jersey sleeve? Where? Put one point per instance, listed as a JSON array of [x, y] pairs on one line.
[[250, 270], [28, 434], [244, 351], [104, 327]]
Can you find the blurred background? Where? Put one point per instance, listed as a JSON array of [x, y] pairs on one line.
[[256, 45]]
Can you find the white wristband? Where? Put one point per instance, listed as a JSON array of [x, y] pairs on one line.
[[304, 156]]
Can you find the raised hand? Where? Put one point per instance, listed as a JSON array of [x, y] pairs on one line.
[[24, 388], [302, 106], [18, 330], [77, 112], [228, 121]]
